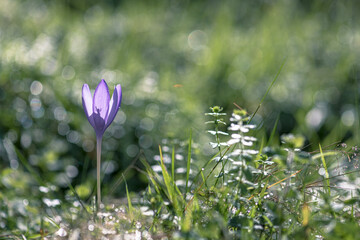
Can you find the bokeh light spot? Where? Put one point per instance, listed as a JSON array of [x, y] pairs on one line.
[[63, 128], [68, 72], [152, 110], [88, 145], [120, 117], [145, 141], [348, 118], [71, 171], [73, 137], [147, 124], [197, 39], [60, 113], [132, 150], [25, 140], [36, 88], [237, 80], [35, 104], [316, 116]]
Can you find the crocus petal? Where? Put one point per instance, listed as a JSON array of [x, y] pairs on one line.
[[87, 103], [100, 107], [115, 103]]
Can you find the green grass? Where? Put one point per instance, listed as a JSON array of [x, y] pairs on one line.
[[258, 197]]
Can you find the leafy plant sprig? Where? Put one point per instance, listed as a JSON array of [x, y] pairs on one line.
[[216, 113], [239, 125]]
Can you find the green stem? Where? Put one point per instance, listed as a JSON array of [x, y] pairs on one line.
[[241, 147], [98, 168], [219, 147]]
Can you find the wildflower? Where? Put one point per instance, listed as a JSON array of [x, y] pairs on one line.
[[100, 110]]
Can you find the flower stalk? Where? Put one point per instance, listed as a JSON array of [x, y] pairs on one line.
[[98, 168]]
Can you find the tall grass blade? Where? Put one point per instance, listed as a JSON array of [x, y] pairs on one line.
[[267, 91], [173, 165], [332, 177], [120, 179], [156, 181], [204, 167], [326, 170], [28, 167], [273, 131], [173, 197], [188, 163], [151, 175], [212, 170], [258, 156], [280, 181], [77, 196], [131, 209], [203, 178], [322, 154], [85, 168], [262, 193], [357, 112], [167, 179]]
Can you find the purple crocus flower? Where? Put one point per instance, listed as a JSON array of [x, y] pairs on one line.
[[100, 110]]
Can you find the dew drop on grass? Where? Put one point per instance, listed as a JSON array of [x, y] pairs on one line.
[[91, 227], [44, 189], [61, 232], [51, 202], [180, 170], [321, 171]]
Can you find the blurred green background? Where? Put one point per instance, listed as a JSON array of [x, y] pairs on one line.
[[174, 59]]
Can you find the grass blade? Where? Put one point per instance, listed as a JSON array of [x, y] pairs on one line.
[[204, 167], [280, 181], [188, 164], [85, 168], [169, 187], [77, 196], [322, 154], [166, 176], [151, 175], [120, 179], [29, 167], [131, 209], [273, 132], [212, 170], [173, 165], [326, 170], [267, 91]]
